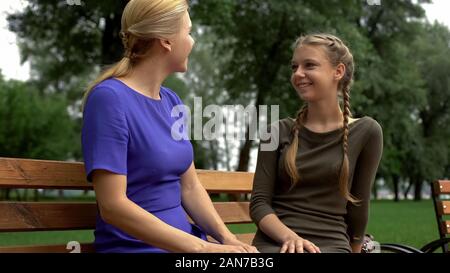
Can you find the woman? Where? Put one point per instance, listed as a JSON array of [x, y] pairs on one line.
[[312, 193], [144, 180]]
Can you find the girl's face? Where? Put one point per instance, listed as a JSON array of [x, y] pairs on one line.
[[182, 45], [313, 76]]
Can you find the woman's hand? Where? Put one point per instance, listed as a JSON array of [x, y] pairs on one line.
[[232, 240], [298, 245], [219, 248]]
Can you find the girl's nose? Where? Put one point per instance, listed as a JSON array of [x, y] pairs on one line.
[[299, 72]]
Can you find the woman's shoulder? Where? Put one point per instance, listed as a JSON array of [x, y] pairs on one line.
[[104, 92], [172, 95]]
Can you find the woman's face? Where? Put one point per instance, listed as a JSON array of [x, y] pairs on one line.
[[313, 76], [181, 46]]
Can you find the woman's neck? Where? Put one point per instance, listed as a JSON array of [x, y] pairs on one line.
[[147, 77]]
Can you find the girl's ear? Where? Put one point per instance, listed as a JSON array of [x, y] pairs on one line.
[[340, 72], [166, 44]]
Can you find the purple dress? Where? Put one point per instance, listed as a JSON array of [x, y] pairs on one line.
[[128, 133]]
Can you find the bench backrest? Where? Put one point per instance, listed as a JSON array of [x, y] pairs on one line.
[[441, 200], [17, 216]]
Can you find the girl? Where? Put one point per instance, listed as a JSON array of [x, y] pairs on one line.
[[312, 193], [145, 181]]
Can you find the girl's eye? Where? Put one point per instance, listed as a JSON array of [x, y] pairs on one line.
[[294, 67], [310, 65]]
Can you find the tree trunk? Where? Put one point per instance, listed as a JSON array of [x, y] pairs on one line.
[[396, 180], [264, 80], [375, 191], [112, 48], [408, 189], [418, 183], [244, 155]]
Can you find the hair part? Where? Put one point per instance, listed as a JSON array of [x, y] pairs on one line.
[[337, 53], [143, 22]]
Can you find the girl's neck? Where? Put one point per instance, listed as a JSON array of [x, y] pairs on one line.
[[324, 116]]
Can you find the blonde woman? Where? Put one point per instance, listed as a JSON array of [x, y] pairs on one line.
[[145, 181], [312, 193]]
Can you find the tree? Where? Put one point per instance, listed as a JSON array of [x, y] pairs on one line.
[[34, 126]]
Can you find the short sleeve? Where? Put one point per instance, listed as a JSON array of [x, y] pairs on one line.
[[104, 134]]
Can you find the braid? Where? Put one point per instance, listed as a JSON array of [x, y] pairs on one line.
[[126, 45], [291, 154], [344, 173]]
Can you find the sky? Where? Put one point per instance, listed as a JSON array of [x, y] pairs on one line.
[[12, 68]]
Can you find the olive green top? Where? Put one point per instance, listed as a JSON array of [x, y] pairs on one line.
[[315, 208]]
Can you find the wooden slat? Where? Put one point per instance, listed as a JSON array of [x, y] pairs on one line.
[[233, 212], [84, 248], [46, 174], [443, 207], [38, 216], [446, 227], [42, 174], [246, 237], [31, 216], [441, 187], [226, 182]]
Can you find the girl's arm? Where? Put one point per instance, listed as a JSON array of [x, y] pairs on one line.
[[199, 206], [364, 176]]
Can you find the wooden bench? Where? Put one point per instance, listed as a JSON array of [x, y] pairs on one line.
[[22, 216], [441, 199]]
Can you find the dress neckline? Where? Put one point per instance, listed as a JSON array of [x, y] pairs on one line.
[[324, 136], [139, 93]]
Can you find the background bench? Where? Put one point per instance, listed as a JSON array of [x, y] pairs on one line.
[[23, 216], [440, 190]]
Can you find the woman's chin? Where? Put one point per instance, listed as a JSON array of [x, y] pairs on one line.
[[182, 68]]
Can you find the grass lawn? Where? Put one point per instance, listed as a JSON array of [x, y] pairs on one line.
[[406, 222]]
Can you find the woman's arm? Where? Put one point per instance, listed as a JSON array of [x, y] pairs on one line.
[[199, 206], [364, 176], [116, 209]]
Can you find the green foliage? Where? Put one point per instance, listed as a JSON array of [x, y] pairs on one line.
[[34, 126], [242, 56]]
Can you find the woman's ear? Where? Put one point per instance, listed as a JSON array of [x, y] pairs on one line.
[[340, 72], [166, 44]]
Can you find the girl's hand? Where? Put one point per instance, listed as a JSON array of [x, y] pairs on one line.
[[298, 245]]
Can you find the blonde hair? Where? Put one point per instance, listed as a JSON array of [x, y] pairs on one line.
[[337, 53], [143, 21]]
